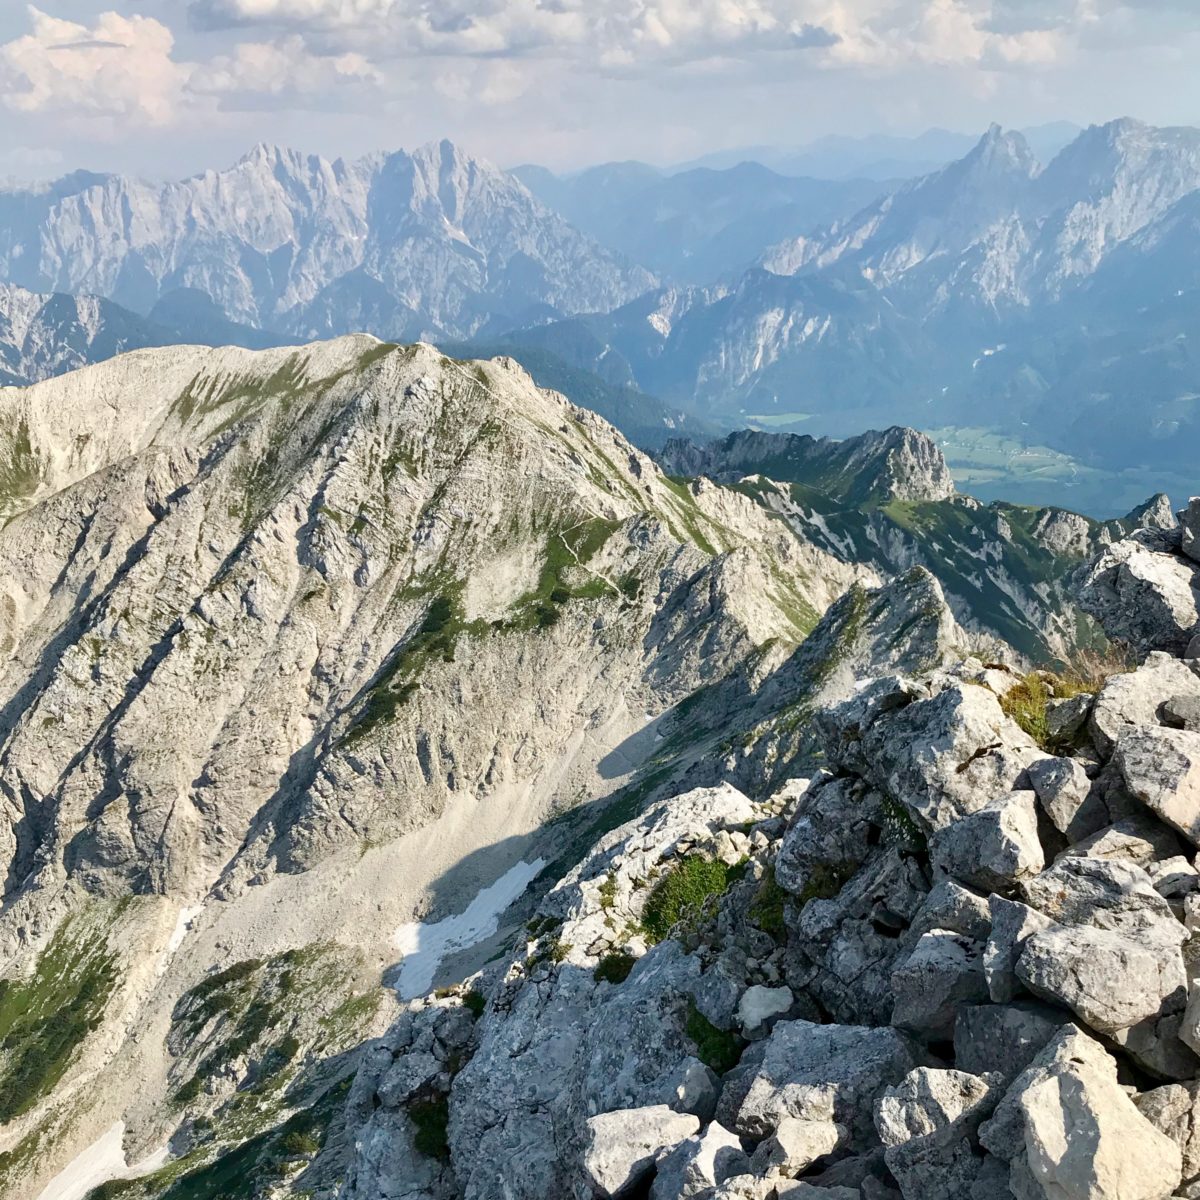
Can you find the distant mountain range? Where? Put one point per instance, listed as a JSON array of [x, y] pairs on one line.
[[1051, 301], [880, 156], [695, 226], [1047, 296], [406, 245]]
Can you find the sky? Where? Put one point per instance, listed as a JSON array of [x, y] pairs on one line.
[[164, 88]]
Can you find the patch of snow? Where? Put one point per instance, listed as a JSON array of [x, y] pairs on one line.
[[101, 1162], [183, 926], [425, 945]]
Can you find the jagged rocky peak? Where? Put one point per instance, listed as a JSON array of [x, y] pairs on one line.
[[400, 244], [1000, 152], [874, 467]]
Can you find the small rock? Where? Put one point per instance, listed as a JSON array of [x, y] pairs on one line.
[[795, 1146], [1173, 877], [699, 1163], [926, 1124], [1139, 839], [1175, 1111], [1182, 712], [951, 906], [1013, 924], [1161, 767], [1066, 719], [622, 1146], [994, 847], [1065, 792], [944, 971], [761, 1006]]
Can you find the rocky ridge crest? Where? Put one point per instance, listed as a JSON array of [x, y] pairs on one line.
[[956, 962]]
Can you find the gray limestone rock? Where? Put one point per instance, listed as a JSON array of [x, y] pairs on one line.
[[942, 758], [927, 1122], [993, 848], [1134, 699], [1143, 594], [1161, 767], [1003, 1039], [1013, 924], [817, 1072], [1109, 980], [795, 1146], [699, 1163], [1175, 1110], [621, 1147], [944, 971], [1065, 793]]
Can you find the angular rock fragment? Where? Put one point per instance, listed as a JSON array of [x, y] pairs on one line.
[[1136, 699], [795, 1145], [1070, 1132], [621, 1146], [1142, 594], [926, 1123], [699, 1163], [816, 1072], [1109, 980], [1065, 793], [994, 847], [944, 971], [1003, 1039], [1161, 767], [1012, 925]]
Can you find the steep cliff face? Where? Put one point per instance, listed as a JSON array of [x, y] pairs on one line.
[[298, 644]]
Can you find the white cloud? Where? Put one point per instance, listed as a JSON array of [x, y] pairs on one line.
[[121, 71], [118, 67], [256, 72]]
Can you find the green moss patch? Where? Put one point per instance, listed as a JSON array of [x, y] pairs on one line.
[[766, 909], [716, 1048], [430, 1118]]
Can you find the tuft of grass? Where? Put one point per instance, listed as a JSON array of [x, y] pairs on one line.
[[608, 891], [615, 967], [684, 895], [430, 1119], [1025, 703], [475, 1002], [766, 909], [716, 1048]]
